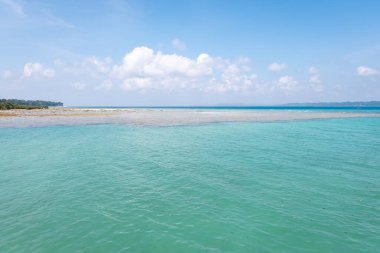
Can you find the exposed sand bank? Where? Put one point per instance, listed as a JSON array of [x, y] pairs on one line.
[[160, 117]]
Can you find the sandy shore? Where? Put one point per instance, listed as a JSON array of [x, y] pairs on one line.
[[160, 117]]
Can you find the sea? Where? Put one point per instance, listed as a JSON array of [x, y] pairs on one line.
[[295, 186]]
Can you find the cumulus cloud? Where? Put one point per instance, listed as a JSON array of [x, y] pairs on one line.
[[366, 71], [178, 44], [143, 68], [143, 61], [146, 69], [287, 83], [277, 67], [37, 69], [231, 76], [232, 82]]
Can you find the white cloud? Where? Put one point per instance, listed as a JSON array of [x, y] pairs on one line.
[[276, 67], [37, 69], [31, 68], [287, 83], [143, 61], [178, 44], [230, 75], [232, 82], [143, 68], [14, 6], [105, 85], [366, 71]]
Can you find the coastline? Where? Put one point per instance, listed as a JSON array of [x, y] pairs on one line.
[[161, 116]]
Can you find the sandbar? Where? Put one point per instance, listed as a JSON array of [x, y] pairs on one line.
[[162, 117]]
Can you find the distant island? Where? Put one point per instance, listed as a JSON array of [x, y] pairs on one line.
[[351, 104], [8, 104], [336, 104]]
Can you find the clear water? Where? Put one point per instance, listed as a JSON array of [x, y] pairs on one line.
[[308, 186]]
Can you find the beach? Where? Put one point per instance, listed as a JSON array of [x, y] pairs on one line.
[[163, 116]]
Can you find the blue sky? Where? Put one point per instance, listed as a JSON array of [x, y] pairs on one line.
[[113, 52]]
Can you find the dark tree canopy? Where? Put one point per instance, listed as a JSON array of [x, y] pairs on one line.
[[7, 104]]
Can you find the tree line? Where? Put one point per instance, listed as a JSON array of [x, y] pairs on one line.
[[7, 104]]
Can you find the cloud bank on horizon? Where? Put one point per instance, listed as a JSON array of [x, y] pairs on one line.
[[173, 73]]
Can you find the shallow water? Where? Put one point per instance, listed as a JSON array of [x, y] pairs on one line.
[[307, 186], [170, 116]]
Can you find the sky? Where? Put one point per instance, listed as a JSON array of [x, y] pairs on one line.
[[198, 52]]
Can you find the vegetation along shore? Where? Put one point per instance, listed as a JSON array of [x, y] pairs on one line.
[[8, 104]]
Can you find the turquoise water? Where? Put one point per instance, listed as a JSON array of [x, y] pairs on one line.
[[307, 186]]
